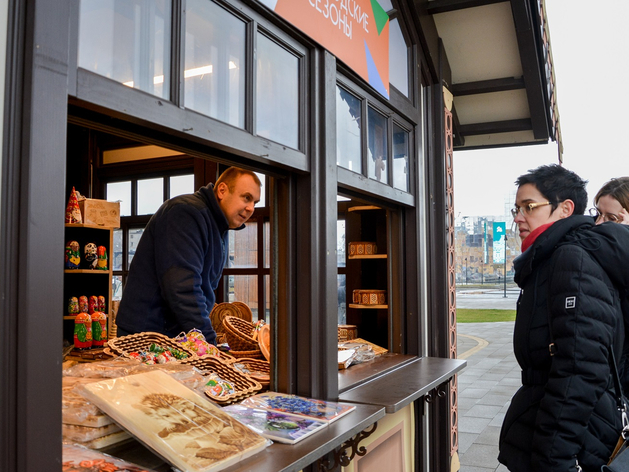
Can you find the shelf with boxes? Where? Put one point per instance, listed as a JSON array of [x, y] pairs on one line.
[[367, 272]]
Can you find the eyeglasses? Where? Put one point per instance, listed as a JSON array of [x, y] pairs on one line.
[[527, 209], [595, 212]]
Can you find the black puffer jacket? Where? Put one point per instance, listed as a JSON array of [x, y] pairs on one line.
[[573, 279]]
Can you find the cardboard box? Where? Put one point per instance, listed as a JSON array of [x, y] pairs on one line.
[[100, 212]]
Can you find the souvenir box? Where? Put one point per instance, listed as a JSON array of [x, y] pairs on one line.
[[369, 297], [100, 212], [347, 332], [362, 248]]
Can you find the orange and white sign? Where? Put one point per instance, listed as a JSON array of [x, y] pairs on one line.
[[355, 31]]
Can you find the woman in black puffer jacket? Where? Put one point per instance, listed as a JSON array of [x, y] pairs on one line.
[[573, 277]]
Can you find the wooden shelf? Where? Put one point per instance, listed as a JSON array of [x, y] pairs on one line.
[[365, 207], [370, 256], [86, 271], [372, 307], [72, 317], [81, 225]]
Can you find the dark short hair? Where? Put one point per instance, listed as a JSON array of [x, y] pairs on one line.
[[617, 188], [231, 174], [556, 183]]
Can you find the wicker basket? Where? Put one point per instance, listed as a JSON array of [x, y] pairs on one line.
[[124, 345], [244, 384], [245, 312], [257, 369], [253, 354], [239, 334]]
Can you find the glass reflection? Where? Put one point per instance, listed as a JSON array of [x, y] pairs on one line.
[[244, 288], [134, 238], [348, 142], [150, 195], [377, 140], [277, 93], [398, 58], [127, 41], [214, 75], [243, 246], [116, 256], [400, 158]]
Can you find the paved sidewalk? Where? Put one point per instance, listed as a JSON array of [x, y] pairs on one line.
[[485, 388]]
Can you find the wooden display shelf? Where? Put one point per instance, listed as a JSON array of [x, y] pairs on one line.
[[72, 317], [86, 271], [82, 225], [364, 207], [373, 307], [369, 256]]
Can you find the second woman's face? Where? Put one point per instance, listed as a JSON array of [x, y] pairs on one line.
[[609, 209]]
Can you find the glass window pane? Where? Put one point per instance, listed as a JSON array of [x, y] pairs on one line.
[[400, 158], [342, 298], [267, 304], [117, 252], [214, 75], [243, 246], [377, 136], [120, 192], [134, 238], [277, 93], [262, 202], [398, 58], [127, 41], [150, 195], [340, 243], [385, 4], [267, 244], [348, 142], [244, 288], [116, 287], [181, 185]]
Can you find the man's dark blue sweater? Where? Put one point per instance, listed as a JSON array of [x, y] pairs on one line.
[[176, 268]]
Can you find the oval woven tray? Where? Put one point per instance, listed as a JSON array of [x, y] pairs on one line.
[[239, 334], [245, 312], [257, 369], [253, 354], [245, 385], [218, 314], [124, 345]]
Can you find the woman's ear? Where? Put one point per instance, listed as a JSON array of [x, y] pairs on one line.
[[566, 208]]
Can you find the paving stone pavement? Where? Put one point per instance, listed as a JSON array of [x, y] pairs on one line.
[[485, 388]]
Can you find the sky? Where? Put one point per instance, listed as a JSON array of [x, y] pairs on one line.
[[590, 48]]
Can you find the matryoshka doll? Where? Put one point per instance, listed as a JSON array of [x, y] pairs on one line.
[[73, 306], [101, 263], [83, 304], [72, 255], [99, 329], [92, 304], [91, 257], [101, 303], [83, 331]]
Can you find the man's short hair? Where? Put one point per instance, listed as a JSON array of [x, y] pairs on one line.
[[617, 188], [557, 184], [231, 174]]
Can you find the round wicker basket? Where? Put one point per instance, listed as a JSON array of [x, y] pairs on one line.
[[239, 334]]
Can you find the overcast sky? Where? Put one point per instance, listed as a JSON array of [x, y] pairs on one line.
[[590, 49]]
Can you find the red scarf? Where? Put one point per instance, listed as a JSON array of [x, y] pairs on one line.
[[530, 239]]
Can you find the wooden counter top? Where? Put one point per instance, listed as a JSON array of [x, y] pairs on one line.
[[277, 457], [399, 387]]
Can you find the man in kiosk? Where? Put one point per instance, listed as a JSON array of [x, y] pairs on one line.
[[181, 255]]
